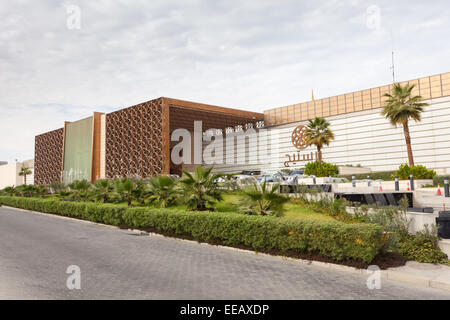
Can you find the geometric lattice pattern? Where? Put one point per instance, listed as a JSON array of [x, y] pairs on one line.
[[134, 141], [184, 118], [48, 157], [298, 138]]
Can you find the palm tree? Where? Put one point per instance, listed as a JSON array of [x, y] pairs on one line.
[[140, 190], [200, 188], [402, 106], [162, 191], [319, 134], [125, 187], [24, 172], [56, 187], [103, 188], [80, 189], [265, 199], [10, 191]]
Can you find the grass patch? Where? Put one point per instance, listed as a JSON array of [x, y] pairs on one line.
[[296, 211], [231, 203]]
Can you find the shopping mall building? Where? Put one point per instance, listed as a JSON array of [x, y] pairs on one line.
[[138, 140]]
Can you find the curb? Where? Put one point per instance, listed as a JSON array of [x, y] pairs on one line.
[[389, 274]]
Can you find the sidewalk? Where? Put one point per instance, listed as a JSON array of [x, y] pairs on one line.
[[422, 274]]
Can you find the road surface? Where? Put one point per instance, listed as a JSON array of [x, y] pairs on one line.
[[36, 251]]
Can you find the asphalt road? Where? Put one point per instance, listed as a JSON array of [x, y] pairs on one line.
[[36, 250]]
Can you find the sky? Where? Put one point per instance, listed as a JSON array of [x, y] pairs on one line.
[[62, 60]]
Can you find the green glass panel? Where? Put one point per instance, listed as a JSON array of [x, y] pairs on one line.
[[78, 151]]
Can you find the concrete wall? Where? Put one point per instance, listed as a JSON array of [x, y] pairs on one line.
[[366, 138], [9, 174]]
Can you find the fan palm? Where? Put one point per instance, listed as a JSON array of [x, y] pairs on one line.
[[401, 106], [79, 189], [125, 187], [102, 189], [140, 190], [265, 199], [162, 191], [318, 133], [10, 191], [200, 188]]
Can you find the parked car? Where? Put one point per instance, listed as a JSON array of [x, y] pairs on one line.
[[220, 180], [243, 179], [269, 179], [251, 173], [339, 180]]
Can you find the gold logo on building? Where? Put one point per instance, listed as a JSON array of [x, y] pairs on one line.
[[298, 138]]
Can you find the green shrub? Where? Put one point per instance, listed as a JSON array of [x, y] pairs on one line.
[[393, 221], [315, 199], [332, 239], [321, 169], [264, 200], [102, 213], [423, 247], [439, 180], [418, 172]]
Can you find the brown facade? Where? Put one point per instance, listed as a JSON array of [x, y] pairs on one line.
[[48, 157], [96, 144], [182, 114], [137, 139], [134, 140]]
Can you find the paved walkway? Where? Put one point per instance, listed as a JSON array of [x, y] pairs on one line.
[[35, 251]]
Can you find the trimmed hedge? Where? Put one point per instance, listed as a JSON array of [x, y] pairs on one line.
[[419, 172], [333, 239], [439, 180], [381, 175], [323, 169], [101, 213]]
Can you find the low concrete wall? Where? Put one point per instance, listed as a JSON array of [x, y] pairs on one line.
[[418, 219], [344, 170], [362, 186], [445, 246]]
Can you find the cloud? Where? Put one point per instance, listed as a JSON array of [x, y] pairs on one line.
[[253, 55]]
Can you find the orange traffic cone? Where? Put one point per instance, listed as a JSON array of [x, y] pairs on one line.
[[439, 193], [408, 189]]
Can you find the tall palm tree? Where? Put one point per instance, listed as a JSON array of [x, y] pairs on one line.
[[318, 133], [402, 106], [24, 172]]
